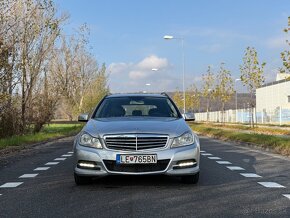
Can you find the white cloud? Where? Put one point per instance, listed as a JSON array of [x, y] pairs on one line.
[[117, 68], [132, 77], [135, 75], [152, 62]]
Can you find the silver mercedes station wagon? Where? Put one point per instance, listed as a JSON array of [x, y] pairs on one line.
[[136, 134]]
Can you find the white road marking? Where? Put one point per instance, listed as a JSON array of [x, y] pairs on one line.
[[52, 163], [0, 194], [214, 158], [202, 151], [206, 154], [66, 155], [70, 152], [223, 162], [235, 168], [271, 185], [287, 196], [28, 175], [41, 168], [61, 158], [251, 175], [11, 184]]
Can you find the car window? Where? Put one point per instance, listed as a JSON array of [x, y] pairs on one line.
[[135, 107]]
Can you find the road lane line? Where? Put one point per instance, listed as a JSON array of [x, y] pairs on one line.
[[28, 175], [251, 175], [271, 185], [206, 154], [223, 162], [66, 155], [70, 152], [11, 184], [202, 151], [287, 196], [214, 158], [52, 163], [41, 168], [61, 158], [235, 168]]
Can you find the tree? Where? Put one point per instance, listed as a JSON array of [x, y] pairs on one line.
[[252, 75], [40, 68], [224, 87], [208, 88], [177, 98], [81, 83], [192, 97], [97, 90], [29, 30], [285, 55]]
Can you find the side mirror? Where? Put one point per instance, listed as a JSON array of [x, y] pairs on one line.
[[189, 116], [83, 118]]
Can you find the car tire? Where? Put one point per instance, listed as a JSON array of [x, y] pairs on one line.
[[82, 180], [192, 179]]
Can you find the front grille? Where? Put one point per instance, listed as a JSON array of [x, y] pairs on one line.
[[161, 165], [135, 142]]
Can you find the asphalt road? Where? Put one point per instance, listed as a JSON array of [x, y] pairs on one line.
[[221, 192]]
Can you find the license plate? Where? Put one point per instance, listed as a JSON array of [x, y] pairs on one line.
[[136, 158]]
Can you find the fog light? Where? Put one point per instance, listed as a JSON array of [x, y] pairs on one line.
[[185, 164], [87, 165]]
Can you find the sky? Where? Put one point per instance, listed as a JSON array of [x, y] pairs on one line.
[[127, 35]]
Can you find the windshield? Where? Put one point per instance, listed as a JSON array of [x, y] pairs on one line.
[[136, 106]]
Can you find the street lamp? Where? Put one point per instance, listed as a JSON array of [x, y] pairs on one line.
[[236, 99], [168, 37], [149, 84]]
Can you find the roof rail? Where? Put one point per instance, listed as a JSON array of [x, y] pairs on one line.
[[164, 93]]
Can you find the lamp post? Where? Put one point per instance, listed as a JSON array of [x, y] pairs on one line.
[[148, 84], [167, 37], [236, 99]]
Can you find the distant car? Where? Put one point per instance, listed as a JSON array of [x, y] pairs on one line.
[[136, 134]]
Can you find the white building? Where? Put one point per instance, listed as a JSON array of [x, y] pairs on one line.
[[273, 96]]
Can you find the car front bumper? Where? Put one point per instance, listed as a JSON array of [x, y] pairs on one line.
[[169, 157]]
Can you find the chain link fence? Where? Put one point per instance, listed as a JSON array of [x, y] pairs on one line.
[[279, 116]]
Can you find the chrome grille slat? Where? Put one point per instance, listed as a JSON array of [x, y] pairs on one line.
[[120, 140], [135, 141], [121, 143], [124, 147], [151, 143]]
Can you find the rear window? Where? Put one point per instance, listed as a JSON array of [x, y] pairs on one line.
[[136, 106]]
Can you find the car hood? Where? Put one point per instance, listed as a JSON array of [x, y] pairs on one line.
[[169, 126]]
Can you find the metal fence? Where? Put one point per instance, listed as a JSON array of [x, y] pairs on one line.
[[278, 116]]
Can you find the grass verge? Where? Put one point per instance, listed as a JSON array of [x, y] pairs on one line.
[[268, 130], [49, 132], [278, 144]]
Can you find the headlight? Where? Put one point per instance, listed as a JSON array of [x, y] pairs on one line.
[[87, 140], [183, 140]]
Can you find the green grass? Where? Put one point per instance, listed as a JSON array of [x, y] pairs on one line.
[[267, 130], [49, 132], [278, 144]]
